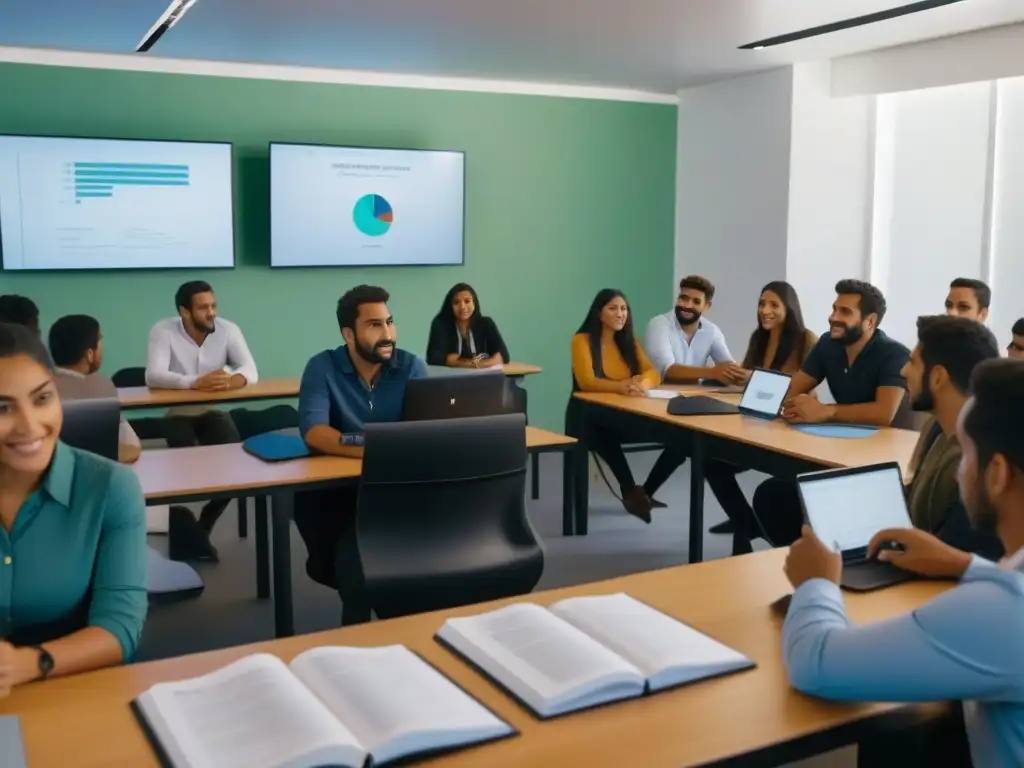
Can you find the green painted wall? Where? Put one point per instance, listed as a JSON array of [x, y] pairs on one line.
[[564, 196]]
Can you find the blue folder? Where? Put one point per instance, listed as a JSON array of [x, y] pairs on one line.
[[275, 446], [837, 430]]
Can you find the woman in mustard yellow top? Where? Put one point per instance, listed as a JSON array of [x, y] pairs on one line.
[[606, 357]]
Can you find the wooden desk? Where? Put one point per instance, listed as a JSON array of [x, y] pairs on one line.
[[178, 475], [264, 389], [725, 721], [773, 447]]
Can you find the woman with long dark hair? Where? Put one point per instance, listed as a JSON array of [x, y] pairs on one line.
[[606, 357], [74, 545], [461, 337], [780, 342]]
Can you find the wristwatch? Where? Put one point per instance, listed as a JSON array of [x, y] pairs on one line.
[[45, 662]]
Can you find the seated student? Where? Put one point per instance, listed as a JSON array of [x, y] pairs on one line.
[[74, 542], [1015, 348], [969, 298], [780, 342], [76, 346], [606, 357], [341, 391], [966, 643], [461, 337], [20, 310], [683, 341], [938, 377], [864, 370], [197, 350]]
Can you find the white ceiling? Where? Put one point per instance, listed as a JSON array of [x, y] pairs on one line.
[[657, 45]]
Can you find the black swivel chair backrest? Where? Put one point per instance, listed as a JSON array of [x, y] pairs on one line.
[[130, 377], [442, 514], [92, 425]]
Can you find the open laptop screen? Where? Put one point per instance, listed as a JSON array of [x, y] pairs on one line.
[[846, 508], [765, 392]]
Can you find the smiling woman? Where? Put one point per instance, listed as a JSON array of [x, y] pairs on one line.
[[72, 534]]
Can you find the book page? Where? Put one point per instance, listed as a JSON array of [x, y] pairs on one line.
[[667, 651], [662, 394], [550, 665], [253, 713], [394, 702]]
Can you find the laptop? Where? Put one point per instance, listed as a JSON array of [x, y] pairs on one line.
[[846, 508], [762, 397], [455, 396]]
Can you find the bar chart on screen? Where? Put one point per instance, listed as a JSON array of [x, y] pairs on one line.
[[114, 204]]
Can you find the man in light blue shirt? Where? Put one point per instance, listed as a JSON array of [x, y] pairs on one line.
[[680, 343], [967, 644]]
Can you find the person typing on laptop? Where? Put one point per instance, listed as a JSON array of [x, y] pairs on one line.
[[341, 390], [963, 645]]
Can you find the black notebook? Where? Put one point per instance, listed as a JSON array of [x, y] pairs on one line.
[[332, 706], [586, 651]]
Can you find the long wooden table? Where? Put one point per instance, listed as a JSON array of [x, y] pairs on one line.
[[206, 472], [750, 718], [773, 447], [264, 389]]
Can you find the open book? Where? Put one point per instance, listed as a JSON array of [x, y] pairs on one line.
[[331, 706], [586, 651]]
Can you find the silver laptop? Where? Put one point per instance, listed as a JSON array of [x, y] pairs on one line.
[[846, 508], [762, 397]]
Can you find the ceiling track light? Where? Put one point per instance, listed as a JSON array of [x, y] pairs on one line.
[[856, 21], [167, 19]]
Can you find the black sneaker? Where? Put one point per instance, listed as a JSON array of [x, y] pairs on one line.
[[187, 540]]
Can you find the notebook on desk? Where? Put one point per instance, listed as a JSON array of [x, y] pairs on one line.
[[332, 706], [586, 651], [276, 446]]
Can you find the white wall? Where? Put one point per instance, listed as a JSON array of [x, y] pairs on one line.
[[1006, 268], [982, 55], [830, 191], [932, 172], [732, 192]]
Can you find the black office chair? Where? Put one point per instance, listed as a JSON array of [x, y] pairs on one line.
[[441, 518], [92, 425], [146, 428]]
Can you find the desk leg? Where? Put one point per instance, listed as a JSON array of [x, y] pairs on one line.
[[262, 548], [568, 496], [697, 499], [581, 487], [280, 516]]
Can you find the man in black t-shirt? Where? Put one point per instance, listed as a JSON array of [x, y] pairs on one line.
[[863, 366], [864, 371]]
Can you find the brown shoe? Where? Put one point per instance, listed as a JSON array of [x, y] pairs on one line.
[[638, 503]]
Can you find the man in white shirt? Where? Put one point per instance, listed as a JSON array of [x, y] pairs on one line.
[[197, 350], [682, 342], [76, 346]]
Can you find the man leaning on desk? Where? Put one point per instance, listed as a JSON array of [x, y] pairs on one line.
[[341, 391], [197, 350]]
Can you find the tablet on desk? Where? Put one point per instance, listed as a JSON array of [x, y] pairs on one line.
[[846, 508]]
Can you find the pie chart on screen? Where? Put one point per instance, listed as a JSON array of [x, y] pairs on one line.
[[373, 215]]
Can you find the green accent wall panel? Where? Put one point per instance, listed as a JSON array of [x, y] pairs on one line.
[[552, 208]]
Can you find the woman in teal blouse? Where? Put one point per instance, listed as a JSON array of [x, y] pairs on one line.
[[72, 534]]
